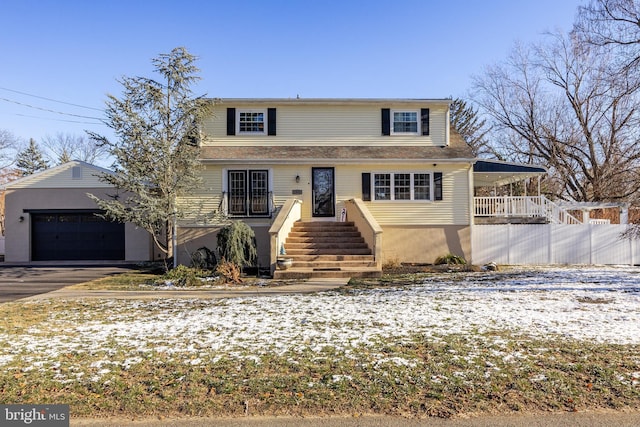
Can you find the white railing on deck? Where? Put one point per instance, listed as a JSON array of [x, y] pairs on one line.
[[523, 206]]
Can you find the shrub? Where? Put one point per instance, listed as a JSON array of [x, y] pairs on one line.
[[237, 244], [183, 276], [204, 258], [392, 264], [228, 272], [450, 259]]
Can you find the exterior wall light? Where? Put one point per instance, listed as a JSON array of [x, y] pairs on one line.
[[297, 178]]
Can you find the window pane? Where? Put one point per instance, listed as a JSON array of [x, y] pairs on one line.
[[405, 122], [68, 218], [237, 195], [422, 186], [382, 186], [259, 192], [251, 121], [402, 186]]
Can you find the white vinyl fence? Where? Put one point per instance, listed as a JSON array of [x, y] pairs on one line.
[[553, 244]]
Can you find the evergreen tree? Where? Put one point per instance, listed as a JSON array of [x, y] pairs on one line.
[[473, 130], [31, 160], [156, 152]]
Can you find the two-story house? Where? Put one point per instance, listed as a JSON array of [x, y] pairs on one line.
[[391, 168], [339, 186]]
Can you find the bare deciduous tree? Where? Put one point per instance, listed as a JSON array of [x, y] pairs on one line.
[[559, 104], [9, 145], [64, 147], [613, 24]]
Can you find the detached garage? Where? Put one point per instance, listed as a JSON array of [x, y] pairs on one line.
[[49, 217]]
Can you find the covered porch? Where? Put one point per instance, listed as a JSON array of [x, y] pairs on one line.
[[492, 177]]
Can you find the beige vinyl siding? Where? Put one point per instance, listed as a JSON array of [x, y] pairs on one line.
[[62, 178], [327, 124], [452, 210], [203, 203]]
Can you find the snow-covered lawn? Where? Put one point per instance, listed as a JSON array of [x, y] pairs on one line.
[[599, 304]]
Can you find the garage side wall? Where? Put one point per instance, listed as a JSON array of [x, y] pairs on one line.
[[138, 244]]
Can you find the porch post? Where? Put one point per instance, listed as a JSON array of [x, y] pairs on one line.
[[585, 216], [624, 214]]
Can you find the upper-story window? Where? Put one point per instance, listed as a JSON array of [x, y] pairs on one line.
[[405, 122], [251, 121], [244, 121]]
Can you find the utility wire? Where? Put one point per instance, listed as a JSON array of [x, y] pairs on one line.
[[50, 111], [52, 100], [57, 120]]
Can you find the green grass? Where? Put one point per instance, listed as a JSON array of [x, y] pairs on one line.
[[119, 282], [440, 376]]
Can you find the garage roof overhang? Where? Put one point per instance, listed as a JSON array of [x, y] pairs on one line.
[[489, 173]]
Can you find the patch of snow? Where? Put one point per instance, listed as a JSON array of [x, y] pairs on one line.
[[592, 303]]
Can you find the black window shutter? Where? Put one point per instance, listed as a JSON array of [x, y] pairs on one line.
[[437, 184], [424, 117], [366, 187], [386, 121], [271, 121], [231, 121]]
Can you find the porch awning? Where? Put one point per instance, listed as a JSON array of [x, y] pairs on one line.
[[488, 173]]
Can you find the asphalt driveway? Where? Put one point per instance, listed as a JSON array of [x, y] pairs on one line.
[[24, 281]]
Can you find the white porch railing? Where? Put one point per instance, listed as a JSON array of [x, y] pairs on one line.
[[523, 206]]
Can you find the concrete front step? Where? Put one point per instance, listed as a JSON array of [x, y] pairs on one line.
[[326, 239], [331, 245], [323, 224], [328, 251], [311, 273], [334, 257], [334, 264], [307, 234]]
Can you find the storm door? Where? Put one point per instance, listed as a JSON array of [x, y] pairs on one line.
[[323, 192]]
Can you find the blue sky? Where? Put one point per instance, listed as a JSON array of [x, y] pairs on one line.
[[74, 51]]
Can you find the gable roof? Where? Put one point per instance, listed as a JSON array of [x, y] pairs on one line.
[[334, 101], [57, 173]]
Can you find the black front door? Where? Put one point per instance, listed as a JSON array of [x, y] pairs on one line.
[[323, 192]]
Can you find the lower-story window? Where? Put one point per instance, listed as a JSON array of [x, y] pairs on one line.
[[248, 192], [402, 186]]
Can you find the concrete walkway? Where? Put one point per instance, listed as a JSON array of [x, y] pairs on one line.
[[562, 419]]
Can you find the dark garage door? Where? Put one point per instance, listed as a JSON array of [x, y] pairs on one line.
[[75, 236]]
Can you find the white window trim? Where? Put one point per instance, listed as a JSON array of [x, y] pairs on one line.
[[225, 186], [251, 110], [412, 189], [418, 122]]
